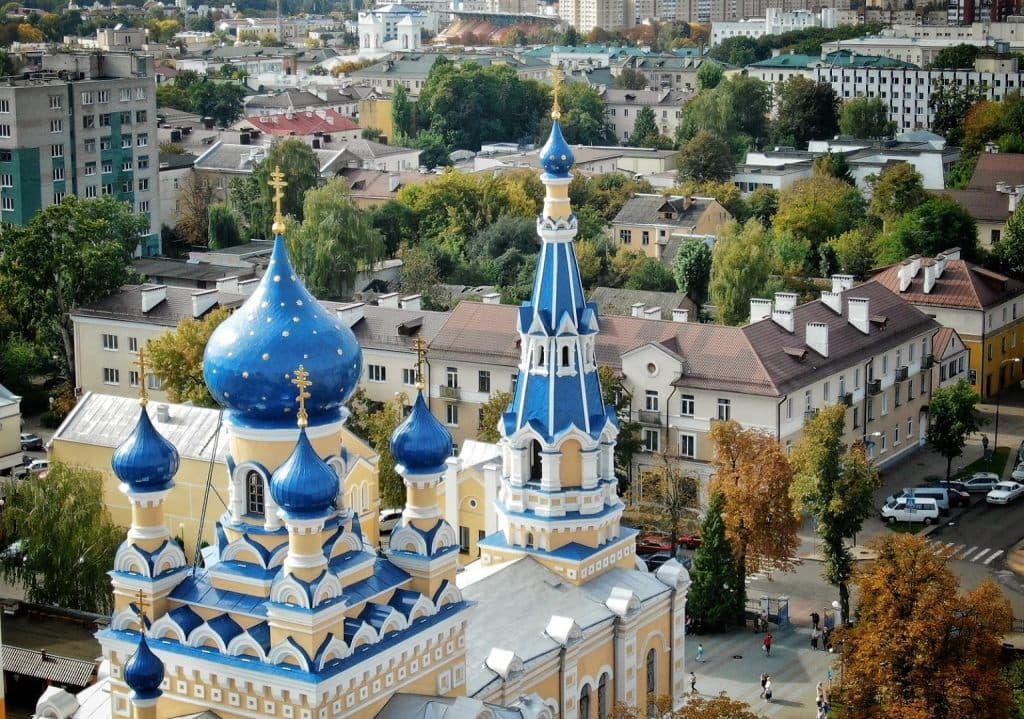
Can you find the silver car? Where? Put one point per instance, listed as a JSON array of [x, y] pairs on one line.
[[981, 481]]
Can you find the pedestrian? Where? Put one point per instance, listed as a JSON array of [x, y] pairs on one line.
[[764, 681], [815, 620], [767, 644], [984, 443], [768, 689], [815, 634], [826, 705], [700, 653], [764, 621], [693, 683], [820, 693]]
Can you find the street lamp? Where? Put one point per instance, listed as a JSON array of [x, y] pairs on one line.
[[1015, 360]]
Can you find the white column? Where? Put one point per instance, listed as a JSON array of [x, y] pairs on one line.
[[451, 491], [490, 498]]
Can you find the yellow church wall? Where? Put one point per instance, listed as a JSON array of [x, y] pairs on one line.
[[654, 633], [472, 512], [570, 466]]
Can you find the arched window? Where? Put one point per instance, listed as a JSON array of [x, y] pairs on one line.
[[652, 673], [565, 356], [535, 463], [254, 493], [529, 539], [602, 697], [540, 356], [585, 702]]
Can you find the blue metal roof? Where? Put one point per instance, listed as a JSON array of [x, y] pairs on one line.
[[145, 461], [421, 444], [144, 672], [304, 486]]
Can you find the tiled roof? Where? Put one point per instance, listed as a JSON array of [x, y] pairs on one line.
[[161, 267], [376, 184], [306, 122], [616, 301], [996, 167], [475, 330], [671, 98], [52, 668], [126, 305], [942, 340], [394, 328], [963, 285], [645, 210], [982, 204]]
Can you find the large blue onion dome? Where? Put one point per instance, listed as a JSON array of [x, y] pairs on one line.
[[421, 444], [249, 357], [304, 486], [556, 156], [145, 460], [144, 672]]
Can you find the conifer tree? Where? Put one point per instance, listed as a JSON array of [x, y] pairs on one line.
[[712, 597]]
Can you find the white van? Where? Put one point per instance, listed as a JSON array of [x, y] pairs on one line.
[[939, 494], [910, 509]]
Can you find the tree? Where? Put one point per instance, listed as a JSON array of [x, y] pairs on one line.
[[949, 104], [628, 442], [953, 417], [583, 117], [666, 497], [921, 649], [222, 101], [692, 269], [68, 540], [763, 203], [194, 202], [490, 416], [651, 275], [373, 134], [818, 208], [1010, 247], [433, 150], [403, 111], [20, 361], [807, 110], [835, 485], [835, 166], [934, 226], [419, 275], [897, 191], [333, 242], [705, 158], [223, 227], [696, 707], [956, 57], [709, 75], [713, 597], [301, 171], [631, 79], [644, 128], [69, 255], [740, 267], [380, 425], [865, 118], [604, 194], [177, 358], [854, 250], [395, 222], [752, 474], [739, 51]]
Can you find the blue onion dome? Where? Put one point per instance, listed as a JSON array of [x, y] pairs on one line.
[[145, 460], [144, 672], [281, 326], [556, 156], [304, 486], [421, 444]]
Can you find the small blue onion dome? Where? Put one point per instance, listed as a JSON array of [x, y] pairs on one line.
[[250, 357], [145, 460], [144, 672], [556, 156], [421, 444], [304, 486]]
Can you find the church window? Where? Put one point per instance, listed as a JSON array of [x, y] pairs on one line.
[[652, 672], [529, 539], [565, 356], [254, 493], [463, 539], [585, 702], [602, 697], [535, 463], [540, 356]]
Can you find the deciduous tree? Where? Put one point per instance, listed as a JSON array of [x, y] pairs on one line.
[[403, 111], [177, 358], [301, 171], [897, 191], [668, 496], [223, 227], [490, 415], [854, 250], [696, 707], [628, 443], [754, 477], [67, 538], [713, 596], [953, 418], [740, 267], [631, 79], [380, 426], [817, 209], [705, 158], [922, 650], [692, 269], [956, 57], [807, 110], [1010, 247], [651, 275], [709, 75], [835, 485], [865, 118], [930, 228], [195, 199]]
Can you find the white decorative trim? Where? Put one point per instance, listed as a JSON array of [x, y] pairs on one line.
[[450, 595], [237, 646], [286, 435], [202, 633], [124, 620], [166, 628], [287, 590], [130, 560], [364, 635], [171, 557], [283, 651], [142, 534], [431, 512], [336, 649]]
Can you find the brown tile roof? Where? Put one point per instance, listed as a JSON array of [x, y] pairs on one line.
[[846, 344], [982, 204], [478, 331], [993, 168], [942, 339], [963, 285], [376, 184]]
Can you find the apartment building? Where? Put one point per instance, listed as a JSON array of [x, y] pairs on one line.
[[785, 66], [656, 224], [984, 307], [84, 125], [623, 106], [775, 22], [951, 358], [585, 15]]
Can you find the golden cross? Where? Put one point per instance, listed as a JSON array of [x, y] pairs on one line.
[[556, 82], [421, 357], [143, 389], [141, 603], [278, 183], [302, 382]]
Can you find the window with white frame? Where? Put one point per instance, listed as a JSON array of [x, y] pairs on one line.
[[452, 376], [910, 429], [144, 206], [142, 162], [651, 400], [687, 406], [153, 381], [107, 167], [90, 192], [651, 437], [882, 442], [126, 94], [58, 197], [687, 445], [56, 150], [5, 130], [6, 180], [896, 436], [103, 96], [56, 102], [789, 408], [5, 105], [7, 203], [56, 125], [111, 376], [143, 184], [142, 140], [376, 373], [87, 98], [451, 414], [724, 409], [140, 93], [826, 392], [408, 377], [58, 173], [885, 364], [483, 381], [109, 342], [133, 378], [133, 344]]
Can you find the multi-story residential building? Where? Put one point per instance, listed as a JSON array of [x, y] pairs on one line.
[[979, 32], [86, 126], [736, 10], [782, 67], [623, 106], [656, 224], [411, 69], [775, 22], [666, 71], [984, 307], [583, 57], [174, 171], [585, 15]]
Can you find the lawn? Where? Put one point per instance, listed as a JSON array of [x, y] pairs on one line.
[[906, 527], [996, 463]]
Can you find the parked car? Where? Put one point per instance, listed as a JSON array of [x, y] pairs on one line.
[[690, 541], [31, 442], [1018, 472], [653, 543], [654, 561], [1005, 492], [910, 509], [981, 481], [389, 519], [38, 466], [20, 471], [939, 494], [958, 495]]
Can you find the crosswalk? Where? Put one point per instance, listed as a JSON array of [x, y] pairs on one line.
[[964, 552]]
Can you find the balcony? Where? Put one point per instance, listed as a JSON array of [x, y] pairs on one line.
[[901, 373], [927, 361], [846, 399], [649, 416], [449, 392], [875, 387], [810, 414]]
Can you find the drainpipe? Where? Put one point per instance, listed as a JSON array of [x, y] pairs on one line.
[[778, 418], [668, 409], [864, 419]]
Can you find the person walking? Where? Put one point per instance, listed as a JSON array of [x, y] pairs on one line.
[[768, 689], [764, 680], [700, 653], [693, 683], [767, 644], [815, 635], [815, 620]]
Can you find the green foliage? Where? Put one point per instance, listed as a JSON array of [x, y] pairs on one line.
[[705, 158], [68, 540], [709, 75], [854, 251], [583, 117], [420, 275], [604, 194], [950, 102], [20, 361], [953, 418], [373, 134], [898, 190], [651, 275], [741, 51], [692, 269], [956, 57], [396, 223], [1014, 676], [740, 268], [433, 151], [712, 596], [380, 426], [334, 241], [807, 110], [762, 204], [628, 444], [644, 128], [301, 171], [791, 254], [631, 79], [177, 358], [223, 101], [818, 208], [223, 227], [736, 110], [865, 118], [490, 416], [1010, 248], [834, 166], [927, 230], [70, 254], [403, 111]]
